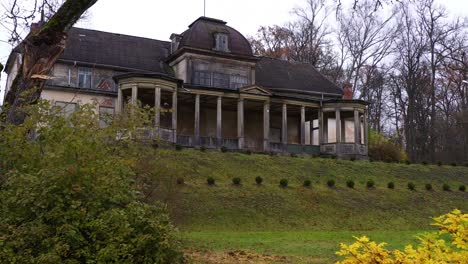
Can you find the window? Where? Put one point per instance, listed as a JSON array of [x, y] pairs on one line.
[[222, 42], [67, 108], [220, 80], [202, 78], [84, 77], [238, 81], [105, 115]]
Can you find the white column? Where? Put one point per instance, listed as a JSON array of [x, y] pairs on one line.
[[338, 125], [321, 127], [302, 125], [134, 94], [266, 126], [357, 127], [174, 114], [197, 120], [240, 122], [119, 104], [219, 121], [284, 125], [157, 106], [366, 128]]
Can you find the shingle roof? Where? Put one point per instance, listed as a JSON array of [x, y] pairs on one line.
[[279, 74], [119, 50]]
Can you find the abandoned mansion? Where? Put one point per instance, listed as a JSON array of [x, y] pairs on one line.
[[208, 89]]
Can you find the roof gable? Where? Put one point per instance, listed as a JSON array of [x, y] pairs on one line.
[[256, 89]]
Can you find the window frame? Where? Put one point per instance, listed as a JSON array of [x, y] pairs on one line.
[[222, 42], [85, 71]]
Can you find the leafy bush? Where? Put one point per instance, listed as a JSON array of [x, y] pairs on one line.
[[248, 152], [432, 247], [439, 163], [446, 187], [284, 183], [370, 184], [411, 186], [331, 183], [462, 188], [224, 149], [391, 185], [258, 180], [180, 181], [350, 184], [424, 162], [70, 196], [382, 149], [466, 164], [210, 181], [178, 147], [352, 159], [307, 183], [454, 164], [428, 186], [202, 148], [407, 162], [236, 181]]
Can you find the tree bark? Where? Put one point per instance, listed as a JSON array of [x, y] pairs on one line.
[[40, 50]]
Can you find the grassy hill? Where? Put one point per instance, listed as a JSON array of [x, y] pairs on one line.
[[201, 211]]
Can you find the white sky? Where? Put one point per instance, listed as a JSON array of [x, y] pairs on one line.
[[158, 19]]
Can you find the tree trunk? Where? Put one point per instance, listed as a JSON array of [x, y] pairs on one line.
[[40, 50]]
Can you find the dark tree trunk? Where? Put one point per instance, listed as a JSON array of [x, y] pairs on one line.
[[40, 50]]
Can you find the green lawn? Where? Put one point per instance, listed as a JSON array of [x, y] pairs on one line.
[[319, 246], [299, 221]]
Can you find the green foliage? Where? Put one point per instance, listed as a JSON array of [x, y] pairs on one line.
[[350, 184], [210, 181], [202, 148], [178, 147], [424, 162], [407, 162], [428, 186], [370, 184], [180, 181], [236, 181], [462, 188], [454, 164], [307, 183], [69, 192], [382, 149], [284, 183], [258, 180], [331, 183], [224, 149], [391, 185], [446, 187], [439, 163], [411, 186]]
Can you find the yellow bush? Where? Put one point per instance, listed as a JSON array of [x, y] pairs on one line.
[[431, 248]]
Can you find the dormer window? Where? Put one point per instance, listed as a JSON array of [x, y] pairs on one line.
[[221, 42]]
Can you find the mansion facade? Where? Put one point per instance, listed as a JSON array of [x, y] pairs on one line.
[[208, 89]]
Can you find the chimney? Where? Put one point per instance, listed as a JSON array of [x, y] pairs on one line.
[[348, 91], [175, 40]]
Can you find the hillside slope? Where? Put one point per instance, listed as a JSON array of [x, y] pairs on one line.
[[195, 206]]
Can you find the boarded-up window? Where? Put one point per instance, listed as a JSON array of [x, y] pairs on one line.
[[222, 42]]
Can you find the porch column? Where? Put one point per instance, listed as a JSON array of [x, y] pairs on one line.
[[240, 122], [134, 94], [366, 128], [321, 128], [197, 120], [174, 114], [357, 127], [284, 126], [266, 126], [302, 125], [119, 100], [157, 106], [338, 125], [219, 119]]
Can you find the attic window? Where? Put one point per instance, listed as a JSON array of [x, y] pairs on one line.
[[221, 42]]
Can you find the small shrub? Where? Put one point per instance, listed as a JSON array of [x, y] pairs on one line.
[[424, 162], [439, 163], [202, 148], [331, 183], [236, 181], [180, 181], [391, 185], [224, 149], [466, 164], [446, 187], [258, 180], [352, 159], [370, 184], [178, 147], [210, 181], [411, 186], [284, 183], [408, 162], [462, 188], [248, 152], [350, 184], [428, 186], [454, 164], [333, 157], [307, 183]]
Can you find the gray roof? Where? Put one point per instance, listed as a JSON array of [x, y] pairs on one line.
[[277, 75], [97, 47]]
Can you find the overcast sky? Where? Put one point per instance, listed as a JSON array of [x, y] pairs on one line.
[[158, 19]]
